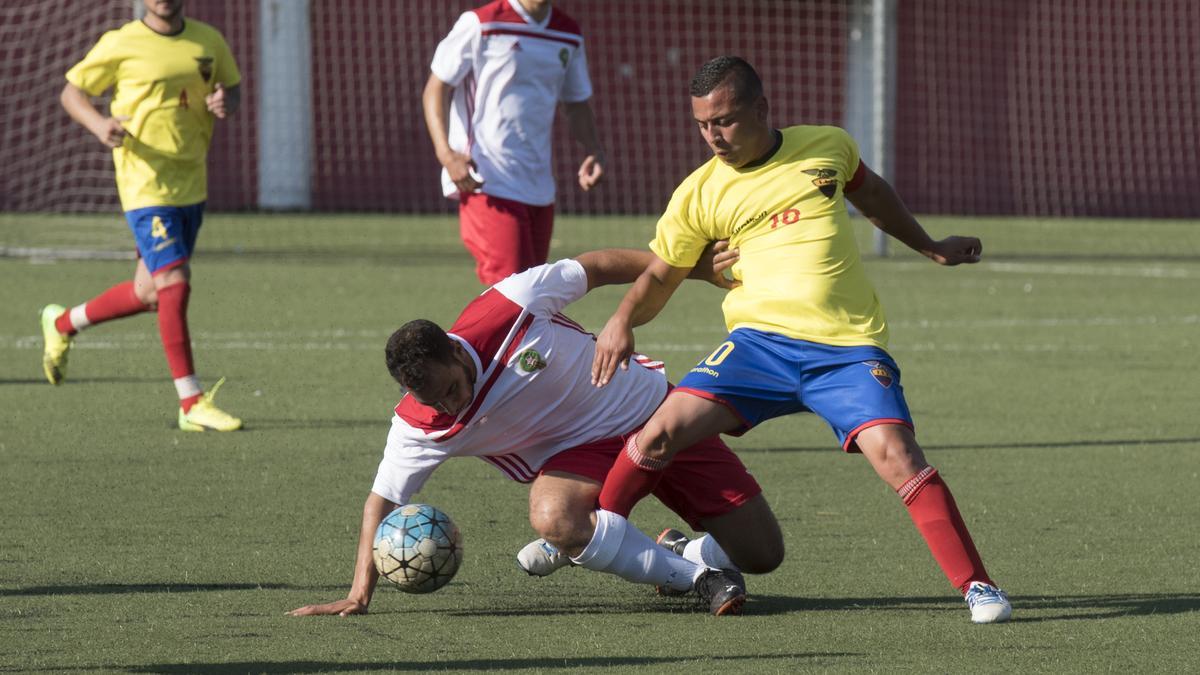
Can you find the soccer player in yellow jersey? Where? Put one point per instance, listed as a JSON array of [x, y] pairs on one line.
[[807, 333], [171, 78]]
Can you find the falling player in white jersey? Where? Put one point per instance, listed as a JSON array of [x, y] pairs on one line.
[[511, 351]]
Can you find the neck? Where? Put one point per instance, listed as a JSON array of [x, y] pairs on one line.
[[164, 26], [537, 10]]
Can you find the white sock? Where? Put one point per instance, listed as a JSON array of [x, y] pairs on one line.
[[707, 552], [621, 549]]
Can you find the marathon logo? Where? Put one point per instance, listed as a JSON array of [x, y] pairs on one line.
[[703, 370]]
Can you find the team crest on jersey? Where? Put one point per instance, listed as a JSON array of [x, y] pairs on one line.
[[205, 63], [881, 373], [826, 180], [530, 361], [564, 56]]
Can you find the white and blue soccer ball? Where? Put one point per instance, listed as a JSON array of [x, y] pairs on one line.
[[418, 548]]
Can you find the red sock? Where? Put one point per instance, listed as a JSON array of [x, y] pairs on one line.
[[173, 328], [632, 477], [936, 515], [116, 302]]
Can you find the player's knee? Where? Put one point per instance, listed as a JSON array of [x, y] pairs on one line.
[[766, 556], [562, 524], [656, 441]]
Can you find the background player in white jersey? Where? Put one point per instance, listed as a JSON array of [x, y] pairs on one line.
[[497, 79], [511, 351]]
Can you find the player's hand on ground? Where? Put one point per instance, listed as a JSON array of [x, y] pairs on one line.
[[716, 258], [339, 608], [956, 250], [112, 131], [591, 171], [462, 172], [216, 102], [614, 346]]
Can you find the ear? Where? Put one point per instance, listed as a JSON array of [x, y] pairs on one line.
[[762, 109]]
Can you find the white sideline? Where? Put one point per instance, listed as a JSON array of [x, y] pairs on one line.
[[372, 340]]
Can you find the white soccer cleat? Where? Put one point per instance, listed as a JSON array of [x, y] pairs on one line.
[[988, 604], [540, 558]]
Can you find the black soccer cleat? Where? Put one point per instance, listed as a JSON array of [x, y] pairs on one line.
[[723, 590], [672, 540]]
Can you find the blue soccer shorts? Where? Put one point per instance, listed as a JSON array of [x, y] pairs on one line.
[[165, 235], [761, 375]]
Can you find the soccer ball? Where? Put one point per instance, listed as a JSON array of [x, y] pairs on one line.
[[418, 548]]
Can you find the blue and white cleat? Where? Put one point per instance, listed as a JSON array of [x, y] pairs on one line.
[[540, 558], [988, 604]]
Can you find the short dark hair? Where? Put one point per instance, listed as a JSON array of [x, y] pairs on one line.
[[413, 348], [747, 87]]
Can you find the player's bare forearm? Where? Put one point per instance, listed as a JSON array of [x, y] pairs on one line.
[[435, 101], [582, 124], [612, 266], [366, 576], [642, 303], [233, 99], [650, 292], [358, 599], [878, 201], [78, 104]]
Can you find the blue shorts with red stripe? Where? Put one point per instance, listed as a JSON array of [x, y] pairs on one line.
[[761, 375], [165, 235]]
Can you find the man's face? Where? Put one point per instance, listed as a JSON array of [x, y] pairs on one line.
[[449, 387], [164, 9], [737, 134]]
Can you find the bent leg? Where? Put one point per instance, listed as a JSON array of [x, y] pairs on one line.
[[893, 452], [561, 509], [749, 536], [681, 421]]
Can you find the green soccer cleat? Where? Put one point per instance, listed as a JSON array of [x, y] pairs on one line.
[[56, 345], [205, 416]]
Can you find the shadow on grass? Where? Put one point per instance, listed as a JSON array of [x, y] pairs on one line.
[[83, 380], [542, 663], [1001, 446], [1041, 607], [274, 424], [114, 589]]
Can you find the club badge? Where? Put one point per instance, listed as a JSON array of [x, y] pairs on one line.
[[205, 63], [826, 180], [530, 361], [881, 373]]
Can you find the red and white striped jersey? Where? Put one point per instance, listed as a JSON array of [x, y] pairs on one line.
[[509, 73], [533, 392]]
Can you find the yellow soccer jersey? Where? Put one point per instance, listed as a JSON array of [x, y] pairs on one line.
[[800, 269], [160, 82]]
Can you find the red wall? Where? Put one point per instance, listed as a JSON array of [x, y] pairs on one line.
[[1067, 107]]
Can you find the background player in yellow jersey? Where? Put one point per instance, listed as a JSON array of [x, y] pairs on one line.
[[807, 333], [171, 78]]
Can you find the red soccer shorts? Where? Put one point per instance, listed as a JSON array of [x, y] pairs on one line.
[[503, 235], [703, 481]]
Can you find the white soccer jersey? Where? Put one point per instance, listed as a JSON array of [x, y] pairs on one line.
[[509, 73], [533, 391]]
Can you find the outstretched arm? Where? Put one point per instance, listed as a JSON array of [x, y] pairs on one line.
[[612, 266], [582, 123], [878, 201], [641, 304], [365, 575]]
